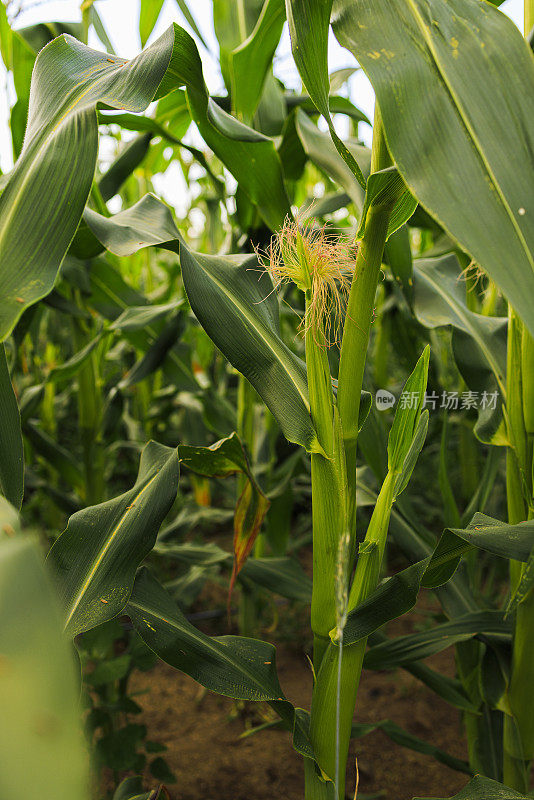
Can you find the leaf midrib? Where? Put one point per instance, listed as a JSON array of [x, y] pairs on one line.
[[210, 646], [467, 125], [104, 549], [277, 351]]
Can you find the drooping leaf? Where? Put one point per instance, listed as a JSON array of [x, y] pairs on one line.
[[11, 449], [96, 557], [239, 312], [309, 24], [60, 149], [450, 82], [249, 155], [39, 693], [508, 541], [227, 457], [250, 61], [385, 187], [321, 150], [415, 646], [49, 186], [233, 666], [390, 600]]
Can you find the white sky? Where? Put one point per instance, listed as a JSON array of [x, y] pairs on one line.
[[121, 20]]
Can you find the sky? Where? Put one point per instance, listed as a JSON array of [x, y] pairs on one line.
[[121, 20]]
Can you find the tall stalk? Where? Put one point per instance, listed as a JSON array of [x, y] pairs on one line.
[[248, 611], [338, 669], [519, 726], [90, 409]]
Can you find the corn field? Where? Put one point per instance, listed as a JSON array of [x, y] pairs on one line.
[[267, 402]]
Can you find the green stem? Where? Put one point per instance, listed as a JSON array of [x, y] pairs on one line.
[[90, 408], [328, 491], [246, 396], [359, 316], [518, 739], [336, 686]]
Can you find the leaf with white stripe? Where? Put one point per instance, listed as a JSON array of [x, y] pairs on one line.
[[96, 557]]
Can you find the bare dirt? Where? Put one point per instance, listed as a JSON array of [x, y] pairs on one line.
[[212, 762]]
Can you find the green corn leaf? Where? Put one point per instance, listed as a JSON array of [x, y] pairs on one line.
[[450, 689], [227, 457], [406, 421], [126, 162], [413, 647], [175, 113], [11, 450], [319, 148], [138, 317], [238, 311], [390, 600], [68, 370], [383, 188], [148, 222], [481, 788], [148, 16], [280, 575], [250, 62], [39, 691], [61, 146], [157, 353], [507, 541], [478, 342], [61, 459], [233, 666], [283, 576], [233, 23], [95, 558], [525, 585], [59, 153], [240, 314], [309, 24], [412, 455], [408, 740], [428, 107], [398, 257], [249, 155]]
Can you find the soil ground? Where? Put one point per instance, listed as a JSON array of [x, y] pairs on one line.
[[212, 762]]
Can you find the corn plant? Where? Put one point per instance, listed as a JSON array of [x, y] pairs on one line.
[[431, 196]]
